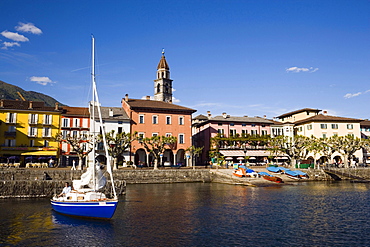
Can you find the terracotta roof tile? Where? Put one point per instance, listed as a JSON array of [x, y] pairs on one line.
[[326, 118], [298, 111], [25, 105], [75, 111], [153, 105]]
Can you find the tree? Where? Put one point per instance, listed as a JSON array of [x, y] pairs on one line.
[[346, 145], [194, 152], [295, 148], [327, 150], [156, 145], [315, 146], [82, 145], [118, 143]]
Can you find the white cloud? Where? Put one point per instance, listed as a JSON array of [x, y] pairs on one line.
[[351, 95], [174, 100], [14, 36], [9, 44], [43, 80], [297, 70], [28, 28]]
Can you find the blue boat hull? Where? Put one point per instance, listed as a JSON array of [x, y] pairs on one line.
[[92, 209]]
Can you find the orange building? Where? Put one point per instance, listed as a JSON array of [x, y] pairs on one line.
[[159, 117]]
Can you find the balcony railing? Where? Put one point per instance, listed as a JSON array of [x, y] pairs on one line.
[[10, 133]]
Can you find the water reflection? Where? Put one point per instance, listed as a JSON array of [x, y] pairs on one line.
[[305, 214]]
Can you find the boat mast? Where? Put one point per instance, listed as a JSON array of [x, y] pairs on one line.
[[96, 97]]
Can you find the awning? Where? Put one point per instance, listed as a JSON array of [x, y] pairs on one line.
[[44, 153], [248, 153]]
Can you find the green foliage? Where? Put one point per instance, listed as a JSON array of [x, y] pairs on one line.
[[118, 143]]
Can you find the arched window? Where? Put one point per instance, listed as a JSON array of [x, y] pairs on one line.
[[158, 88]]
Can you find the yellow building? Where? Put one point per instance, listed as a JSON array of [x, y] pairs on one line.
[[26, 131]]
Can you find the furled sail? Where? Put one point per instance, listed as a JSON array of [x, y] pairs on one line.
[[87, 179]]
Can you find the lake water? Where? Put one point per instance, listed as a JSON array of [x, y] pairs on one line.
[[203, 214]]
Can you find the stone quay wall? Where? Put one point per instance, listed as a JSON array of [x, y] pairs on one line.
[[47, 182]]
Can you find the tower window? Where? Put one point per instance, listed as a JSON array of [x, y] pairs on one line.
[[158, 88]]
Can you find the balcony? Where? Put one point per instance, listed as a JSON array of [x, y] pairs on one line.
[[10, 134], [10, 121]]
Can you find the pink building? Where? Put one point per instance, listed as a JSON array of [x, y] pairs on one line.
[[206, 127]]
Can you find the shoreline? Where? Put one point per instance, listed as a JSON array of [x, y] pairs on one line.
[[24, 183]]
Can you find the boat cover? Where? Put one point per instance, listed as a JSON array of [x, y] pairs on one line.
[[291, 173], [273, 169], [265, 174], [300, 173]]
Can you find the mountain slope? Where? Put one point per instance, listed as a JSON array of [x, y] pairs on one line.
[[9, 91]]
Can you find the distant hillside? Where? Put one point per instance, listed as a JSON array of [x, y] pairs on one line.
[[8, 91]]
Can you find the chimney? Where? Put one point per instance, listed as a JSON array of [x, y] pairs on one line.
[[264, 116], [56, 106], [30, 106], [147, 97], [224, 115], [126, 97], [325, 113], [110, 112], [209, 114]]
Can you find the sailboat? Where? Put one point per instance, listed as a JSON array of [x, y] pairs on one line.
[[85, 200]]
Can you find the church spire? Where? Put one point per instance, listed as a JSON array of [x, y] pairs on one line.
[[163, 83], [163, 63]]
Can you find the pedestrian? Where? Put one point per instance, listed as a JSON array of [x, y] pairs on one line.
[[51, 163], [73, 165]]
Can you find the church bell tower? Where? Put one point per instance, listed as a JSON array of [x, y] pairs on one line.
[[163, 83]]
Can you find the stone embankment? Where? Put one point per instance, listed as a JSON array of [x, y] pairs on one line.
[[47, 182]]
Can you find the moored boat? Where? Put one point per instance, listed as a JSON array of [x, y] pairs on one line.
[[292, 174], [273, 169], [271, 178], [283, 169], [86, 200], [301, 174], [240, 172]]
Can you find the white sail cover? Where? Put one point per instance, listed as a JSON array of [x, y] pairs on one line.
[[87, 179]]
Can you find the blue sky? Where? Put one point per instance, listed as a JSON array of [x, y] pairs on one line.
[[250, 57]]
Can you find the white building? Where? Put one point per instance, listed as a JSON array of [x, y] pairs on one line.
[[114, 118]]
